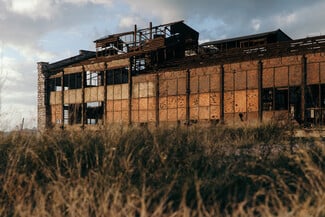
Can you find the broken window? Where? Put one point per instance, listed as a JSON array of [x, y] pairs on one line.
[[94, 78], [275, 99], [267, 99], [94, 112], [55, 84]]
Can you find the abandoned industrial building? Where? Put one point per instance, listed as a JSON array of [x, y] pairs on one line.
[[162, 75]]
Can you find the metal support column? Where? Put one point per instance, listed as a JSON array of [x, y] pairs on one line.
[[188, 92], [62, 99], [303, 89], [83, 105], [105, 96], [260, 90], [222, 94], [130, 91], [157, 98]]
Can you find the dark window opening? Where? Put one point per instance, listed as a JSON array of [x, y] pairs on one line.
[[117, 76], [72, 81], [313, 96], [281, 99], [94, 112]]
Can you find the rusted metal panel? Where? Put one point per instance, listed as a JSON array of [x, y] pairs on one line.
[[109, 117], [95, 67], [252, 100], [291, 60], [151, 89], [268, 77], [110, 105], [181, 86], [229, 102], [163, 103], [117, 105], [151, 116], [272, 62], [215, 99], [240, 80], [143, 116], [194, 83], [135, 90], [313, 73], [194, 113], [204, 84], [135, 105], [172, 114], [204, 113], [181, 113], [248, 65], [143, 89], [143, 104], [162, 115], [151, 103], [315, 57], [172, 87], [124, 105], [214, 112], [117, 116], [204, 99], [163, 87], [118, 63], [125, 91], [229, 80], [117, 89], [135, 116], [71, 70], [194, 100], [55, 98], [101, 93], [240, 101], [215, 82], [322, 72], [172, 102], [181, 101], [69, 97], [252, 79], [125, 117], [281, 76], [295, 75]]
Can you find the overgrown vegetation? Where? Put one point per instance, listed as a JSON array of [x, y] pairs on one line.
[[169, 172]]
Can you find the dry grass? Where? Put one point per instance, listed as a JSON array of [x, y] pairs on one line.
[[169, 172]]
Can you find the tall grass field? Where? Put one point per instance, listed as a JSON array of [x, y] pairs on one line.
[[179, 172]]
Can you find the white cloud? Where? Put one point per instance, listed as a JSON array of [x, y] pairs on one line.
[[256, 24], [31, 8]]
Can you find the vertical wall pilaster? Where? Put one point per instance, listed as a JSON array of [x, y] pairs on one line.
[[43, 107]]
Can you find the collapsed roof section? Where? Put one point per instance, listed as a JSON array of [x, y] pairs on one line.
[[176, 37]]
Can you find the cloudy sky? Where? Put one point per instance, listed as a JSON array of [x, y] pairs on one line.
[[49, 30]]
